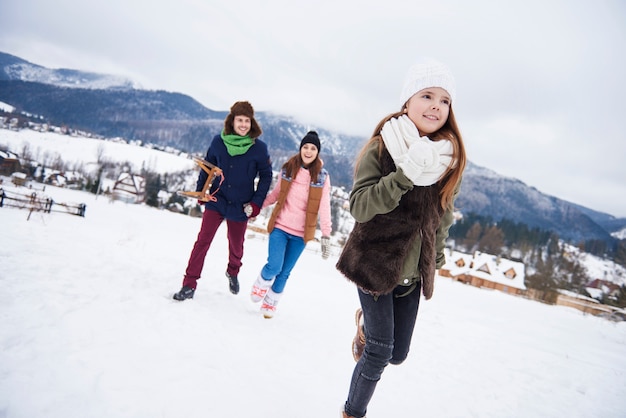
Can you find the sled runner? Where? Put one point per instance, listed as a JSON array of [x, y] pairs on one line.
[[212, 171]]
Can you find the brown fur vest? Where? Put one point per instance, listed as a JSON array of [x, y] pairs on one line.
[[374, 254]]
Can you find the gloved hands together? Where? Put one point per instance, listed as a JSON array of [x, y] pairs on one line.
[[251, 209], [422, 155], [325, 247]]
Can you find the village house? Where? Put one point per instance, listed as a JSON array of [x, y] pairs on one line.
[[69, 179], [19, 179], [491, 272], [485, 270], [9, 163], [597, 288], [582, 303], [129, 188]]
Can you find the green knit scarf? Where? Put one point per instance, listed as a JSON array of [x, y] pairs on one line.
[[236, 144]]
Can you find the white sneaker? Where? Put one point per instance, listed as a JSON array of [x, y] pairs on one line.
[[260, 288], [268, 308]]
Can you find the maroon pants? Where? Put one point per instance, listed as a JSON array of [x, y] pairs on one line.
[[211, 220]]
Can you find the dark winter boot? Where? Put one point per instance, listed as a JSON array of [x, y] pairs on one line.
[[358, 343], [233, 284], [185, 293]]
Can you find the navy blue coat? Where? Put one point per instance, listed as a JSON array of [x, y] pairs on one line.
[[240, 172]]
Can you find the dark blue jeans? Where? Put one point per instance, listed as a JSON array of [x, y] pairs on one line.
[[389, 323]]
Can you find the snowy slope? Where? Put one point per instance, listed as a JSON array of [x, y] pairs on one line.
[[82, 150], [6, 107], [621, 234], [88, 329]]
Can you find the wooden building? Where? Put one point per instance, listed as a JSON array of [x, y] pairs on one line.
[[485, 270]]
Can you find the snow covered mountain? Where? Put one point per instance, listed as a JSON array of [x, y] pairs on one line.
[[490, 194], [178, 121], [15, 68]]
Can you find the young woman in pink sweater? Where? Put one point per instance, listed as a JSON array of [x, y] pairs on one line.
[[302, 195]]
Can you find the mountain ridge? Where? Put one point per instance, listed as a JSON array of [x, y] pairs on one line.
[[16, 68], [177, 120]]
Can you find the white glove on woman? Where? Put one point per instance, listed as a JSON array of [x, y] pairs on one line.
[[422, 155], [325, 247]]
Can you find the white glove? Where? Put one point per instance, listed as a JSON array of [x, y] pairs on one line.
[[251, 209], [422, 155], [325, 247]]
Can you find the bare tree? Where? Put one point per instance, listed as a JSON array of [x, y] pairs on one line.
[[492, 240], [26, 153], [100, 153]]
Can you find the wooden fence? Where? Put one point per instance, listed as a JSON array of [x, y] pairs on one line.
[[35, 203]]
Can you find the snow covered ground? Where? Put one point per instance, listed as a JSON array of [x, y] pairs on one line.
[[77, 150], [88, 328]]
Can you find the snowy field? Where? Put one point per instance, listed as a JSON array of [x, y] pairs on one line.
[[74, 150], [88, 328]]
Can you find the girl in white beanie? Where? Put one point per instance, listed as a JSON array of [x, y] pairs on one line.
[[406, 180]]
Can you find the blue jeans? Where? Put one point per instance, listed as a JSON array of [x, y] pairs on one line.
[[389, 322], [283, 252]]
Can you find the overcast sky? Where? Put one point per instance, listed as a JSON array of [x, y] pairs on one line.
[[541, 83]]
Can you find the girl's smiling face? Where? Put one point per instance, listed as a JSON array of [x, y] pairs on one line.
[[308, 153], [241, 125], [428, 109]]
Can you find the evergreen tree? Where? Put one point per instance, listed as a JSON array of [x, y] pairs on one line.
[[620, 253], [621, 297], [153, 187], [94, 186]]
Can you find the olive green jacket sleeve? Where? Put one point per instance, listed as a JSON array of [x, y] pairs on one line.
[[372, 194]]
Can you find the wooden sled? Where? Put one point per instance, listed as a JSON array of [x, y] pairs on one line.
[[212, 171]]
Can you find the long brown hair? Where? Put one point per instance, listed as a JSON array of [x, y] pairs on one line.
[[293, 164], [450, 131]]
